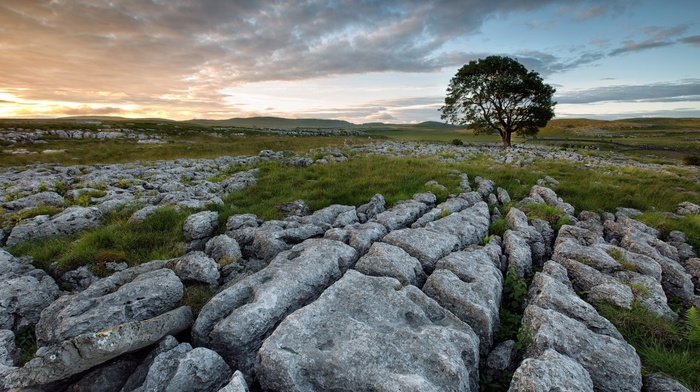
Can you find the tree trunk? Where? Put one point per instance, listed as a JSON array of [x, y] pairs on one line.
[[505, 136]]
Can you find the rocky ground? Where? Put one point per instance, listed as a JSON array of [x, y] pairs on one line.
[[346, 298]]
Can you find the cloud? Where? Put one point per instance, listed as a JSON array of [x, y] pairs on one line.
[[657, 37], [693, 40], [684, 90]]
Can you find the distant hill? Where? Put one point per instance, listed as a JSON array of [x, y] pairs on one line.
[[275, 122]]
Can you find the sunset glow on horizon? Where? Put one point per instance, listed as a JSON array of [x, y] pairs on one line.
[[388, 61]]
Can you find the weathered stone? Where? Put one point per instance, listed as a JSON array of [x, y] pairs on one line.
[[601, 288], [71, 221], [687, 207], [237, 383], [237, 319], [85, 351], [648, 292], [501, 359], [223, 249], [469, 285], [24, 293], [388, 260], [370, 210], [469, 225], [518, 252], [139, 374], [551, 371], [335, 215], [658, 382], [464, 182], [141, 215], [503, 196], [35, 200], [590, 255], [484, 186], [401, 215], [612, 363], [273, 237], [200, 225], [427, 198], [293, 208], [361, 236], [186, 369], [426, 245], [134, 294], [109, 377], [549, 293], [197, 267], [370, 333]]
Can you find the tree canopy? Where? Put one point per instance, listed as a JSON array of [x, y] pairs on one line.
[[498, 94]]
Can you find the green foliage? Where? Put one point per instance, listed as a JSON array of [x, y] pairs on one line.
[[25, 340], [158, 237], [499, 95], [14, 219], [553, 215], [692, 322], [512, 303], [659, 341], [457, 142], [196, 296], [665, 223], [61, 187], [498, 227]]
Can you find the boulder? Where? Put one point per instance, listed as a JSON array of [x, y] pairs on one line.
[[335, 215], [362, 236], [426, 245], [370, 210], [237, 383], [658, 382], [24, 292], [197, 267], [108, 377], [273, 237], [470, 286], [501, 359], [72, 220], [293, 208], [200, 225], [612, 364], [237, 319], [687, 207], [38, 199], [223, 249], [484, 186], [183, 368], [551, 371], [601, 288], [84, 351], [135, 294], [402, 215], [470, 225], [388, 260], [519, 253], [370, 333]]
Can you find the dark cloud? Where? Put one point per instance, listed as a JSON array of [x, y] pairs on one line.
[[684, 90], [657, 37], [693, 40]]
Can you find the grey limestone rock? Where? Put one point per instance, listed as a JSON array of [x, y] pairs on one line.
[[335, 215], [427, 198], [602, 288], [388, 260], [549, 293], [293, 208], [469, 285], [426, 245], [687, 207], [185, 369], [197, 267], [370, 333], [108, 377], [138, 376], [612, 364], [370, 210], [237, 319], [484, 186], [237, 383], [141, 215], [501, 359], [658, 382], [402, 215], [10, 355], [135, 294], [273, 237], [362, 235], [80, 278], [518, 252], [200, 225], [24, 292], [84, 351], [70, 221], [464, 182], [42, 198], [223, 249], [551, 371], [503, 196], [470, 225]]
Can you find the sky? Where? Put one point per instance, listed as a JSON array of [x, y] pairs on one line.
[[360, 61]]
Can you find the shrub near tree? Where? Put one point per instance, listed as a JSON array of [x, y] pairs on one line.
[[498, 95]]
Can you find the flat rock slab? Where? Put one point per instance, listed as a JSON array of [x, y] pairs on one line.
[[85, 351], [370, 333], [428, 246], [236, 320]]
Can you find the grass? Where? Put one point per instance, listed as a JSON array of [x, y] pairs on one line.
[[660, 342], [553, 215], [159, 237]]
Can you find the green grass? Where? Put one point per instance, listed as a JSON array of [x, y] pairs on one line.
[[659, 342], [118, 240], [351, 183]]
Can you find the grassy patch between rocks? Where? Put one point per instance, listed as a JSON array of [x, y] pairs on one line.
[[662, 345]]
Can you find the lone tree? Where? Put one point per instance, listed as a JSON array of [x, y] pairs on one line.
[[498, 94]]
